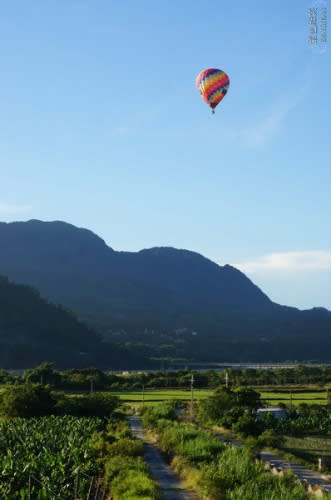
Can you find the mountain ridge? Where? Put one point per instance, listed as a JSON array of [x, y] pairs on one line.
[[160, 291]]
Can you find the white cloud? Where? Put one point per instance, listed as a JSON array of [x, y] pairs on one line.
[[288, 261], [262, 132], [7, 209]]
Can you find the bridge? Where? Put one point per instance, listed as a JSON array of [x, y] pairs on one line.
[[223, 366]]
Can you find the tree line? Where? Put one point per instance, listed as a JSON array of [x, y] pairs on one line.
[[93, 379]]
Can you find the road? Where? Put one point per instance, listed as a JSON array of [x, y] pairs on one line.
[[168, 480], [309, 476], [306, 475]]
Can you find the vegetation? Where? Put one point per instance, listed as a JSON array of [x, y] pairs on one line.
[[27, 401], [207, 464], [228, 407], [32, 330], [125, 470], [297, 384], [302, 436], [66, 457], [217, 472], [49, 452], [36, 400]]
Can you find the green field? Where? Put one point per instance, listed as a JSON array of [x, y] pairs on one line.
[[273, 398], [310, 397], [270, 397], [161, 395]]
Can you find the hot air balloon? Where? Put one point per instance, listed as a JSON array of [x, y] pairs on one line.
[[213, 85]]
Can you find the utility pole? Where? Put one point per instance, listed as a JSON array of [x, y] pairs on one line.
[[226, 379], [76, 484], [192, 399], [29, 488], [291, 402]]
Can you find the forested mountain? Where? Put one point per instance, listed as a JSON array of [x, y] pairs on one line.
[[33, 330], [161, 302], [160, 287]]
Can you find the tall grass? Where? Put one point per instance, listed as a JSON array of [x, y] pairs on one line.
[[267, 487], [129, 478], [192, 444]]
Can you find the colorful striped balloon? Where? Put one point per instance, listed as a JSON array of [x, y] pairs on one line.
[[213, 85]]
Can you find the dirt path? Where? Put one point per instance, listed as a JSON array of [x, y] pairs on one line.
[[168, 480]]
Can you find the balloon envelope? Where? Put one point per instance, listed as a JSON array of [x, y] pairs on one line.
[[213, 85]]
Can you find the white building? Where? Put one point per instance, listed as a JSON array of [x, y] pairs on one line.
[[277, 413]]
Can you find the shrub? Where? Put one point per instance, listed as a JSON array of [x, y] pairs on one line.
[[90, 405], [27, 401], [247, 426], [126, 447], [130, 484], [231, 417], [118, 428], [271, 438], [253, 446], [153, 415], [193, 445], [129, 478]]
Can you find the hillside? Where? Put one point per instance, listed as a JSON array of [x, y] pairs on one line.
[[33, 330], [154, 300]]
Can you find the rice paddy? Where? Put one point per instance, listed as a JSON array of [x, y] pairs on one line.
[[295, 398], [269, 397]]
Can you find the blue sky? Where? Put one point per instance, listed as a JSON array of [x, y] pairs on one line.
[[101, 126]]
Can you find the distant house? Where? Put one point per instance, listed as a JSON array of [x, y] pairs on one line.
[[277, 413], [180, 331]]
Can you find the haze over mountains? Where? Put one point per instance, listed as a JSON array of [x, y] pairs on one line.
[[154, 300]]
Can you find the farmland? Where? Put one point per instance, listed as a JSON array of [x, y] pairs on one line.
[[295, 398], [55, 455], [157, 396], [271, 397], [42, 456]]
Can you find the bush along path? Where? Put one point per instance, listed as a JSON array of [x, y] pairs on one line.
[[169, 482]]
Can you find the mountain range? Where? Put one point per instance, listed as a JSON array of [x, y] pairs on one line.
[[161, 302]]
